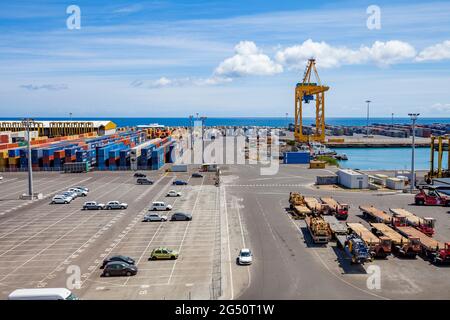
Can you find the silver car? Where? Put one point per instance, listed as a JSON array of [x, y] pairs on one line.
[[154, 217], [111, 205]]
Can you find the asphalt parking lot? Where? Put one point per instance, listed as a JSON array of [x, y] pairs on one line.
[[289, 266], [39, 242]]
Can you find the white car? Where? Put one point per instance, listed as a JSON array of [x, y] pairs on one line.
[[78, 192], [82, 188], [70, 194], [61, 199], [160, 206], [115, 205], [245, 257], [1, 178], [173, 193]]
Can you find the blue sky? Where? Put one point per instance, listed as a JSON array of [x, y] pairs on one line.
[[221, 58]]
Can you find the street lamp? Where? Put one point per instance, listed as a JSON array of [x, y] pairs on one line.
[[191, 129], [203, 119], [287, 121], [27, 123], [368, 106], [413, 117]]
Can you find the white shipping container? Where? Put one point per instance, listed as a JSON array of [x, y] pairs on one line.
[[395, 184], [352, 179]]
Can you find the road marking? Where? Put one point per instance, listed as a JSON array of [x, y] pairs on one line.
[[229, 249]]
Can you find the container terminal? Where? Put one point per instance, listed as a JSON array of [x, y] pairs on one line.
[[138, 222]]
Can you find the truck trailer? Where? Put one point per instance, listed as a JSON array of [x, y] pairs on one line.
[[354, 248], [380, 247], [406, 247], [297, 206], [430, 247], [375, 214], [340, 210], [319, 229], [403, 218]]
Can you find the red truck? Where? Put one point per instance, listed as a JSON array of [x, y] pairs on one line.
[[431, 197]]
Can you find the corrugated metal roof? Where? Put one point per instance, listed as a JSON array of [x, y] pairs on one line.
[[46, 124]]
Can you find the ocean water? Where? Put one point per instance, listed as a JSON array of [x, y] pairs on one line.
[[386, 158], [245, 121]]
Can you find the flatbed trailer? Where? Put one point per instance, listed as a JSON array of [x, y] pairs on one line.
[[379, 246], [297, 206], [429, 245], [336, 227], [400, 245], [336, 208], [300, 211], [319, 229], [403, 218], [314, 205], [376, 214]]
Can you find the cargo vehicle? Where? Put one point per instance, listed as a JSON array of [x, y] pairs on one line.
[[245, 257], [160, 206], [400, 244], [116, 205], [58, 199], [298, 206], [319, 229], [92, 205], [117, 258], [404, 218], [340, 210], [379, 247], [173, 193], [315, 206], [181, 216], [163, 254], [144, 181], [118, 268], [336, 227], [428, 245], [139, 175], [354, 248], [375, 214], [179, 183], [431, 197], [42, 294], [154, 217], [443, 255]]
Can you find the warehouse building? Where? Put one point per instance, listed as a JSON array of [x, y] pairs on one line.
[[62, 128]]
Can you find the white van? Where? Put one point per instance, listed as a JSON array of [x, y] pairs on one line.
[[42, 294]]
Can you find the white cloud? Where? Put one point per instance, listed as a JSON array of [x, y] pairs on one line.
[[440, 108], [440, 51], [248, 60], [327, 56], [49, 87], [164, 82], [129, 9]]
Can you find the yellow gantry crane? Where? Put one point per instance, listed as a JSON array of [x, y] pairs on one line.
[[305, 92], [440, 171]]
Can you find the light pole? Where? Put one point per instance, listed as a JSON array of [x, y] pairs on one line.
[[392, 120], [27, 123], [70, 116], [368, 107], [287, 121], [191, 129], [413, 117], [203, 119]]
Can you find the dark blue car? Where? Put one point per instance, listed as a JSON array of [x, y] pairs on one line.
[[179, 183]]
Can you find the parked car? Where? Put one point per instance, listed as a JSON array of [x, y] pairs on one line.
[[1, 178], [160, 206], [245, 257], [181, 216], [163, 254], [61, 199], [144, 181], [78, 192], [93, 205], [154, 217], [71, 194], [82, 188], [179, 183], [118, 268], [139, 175], [197, 175], [173, 193], [118, 258], [115, 205]]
